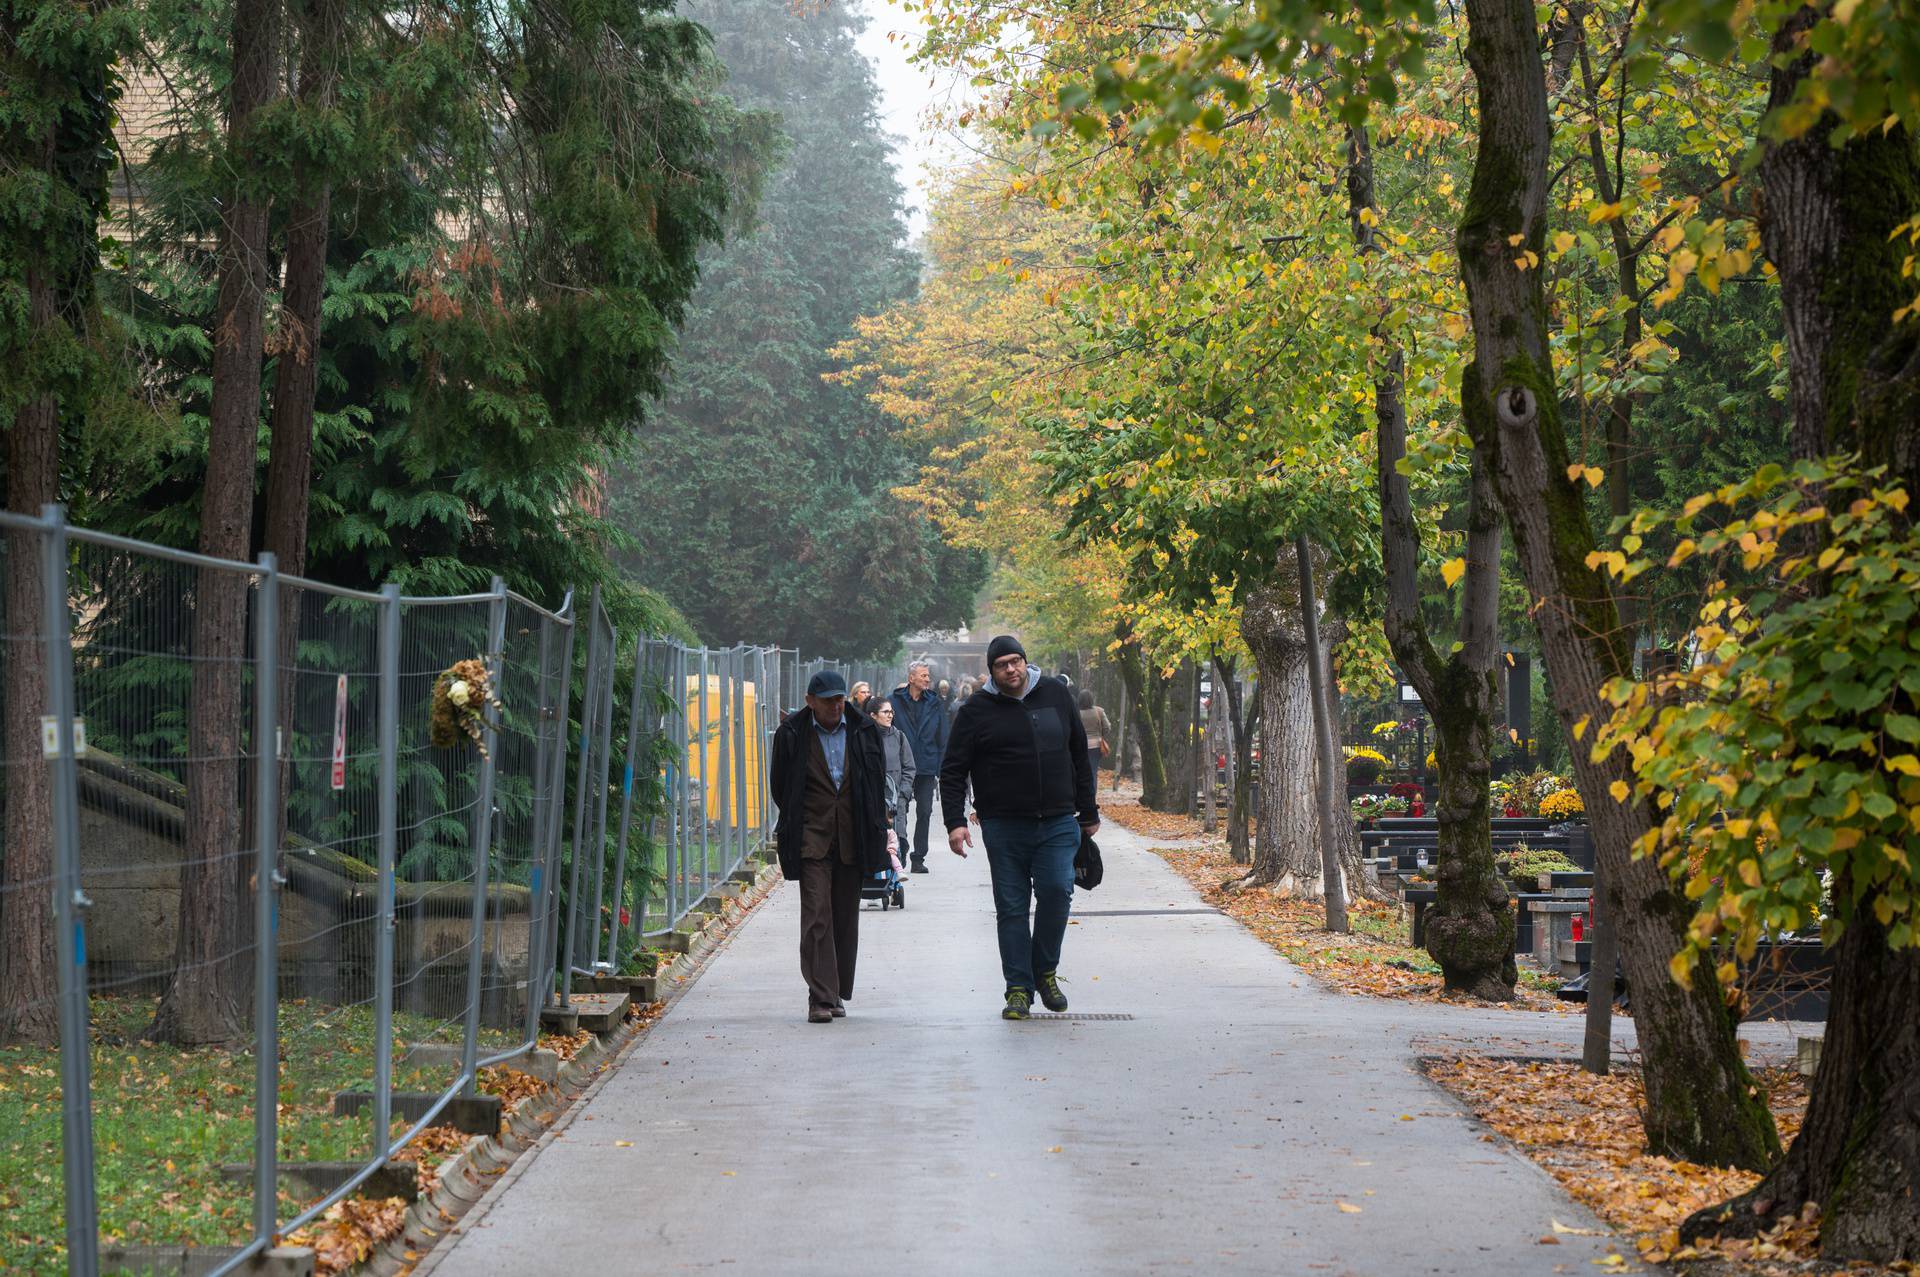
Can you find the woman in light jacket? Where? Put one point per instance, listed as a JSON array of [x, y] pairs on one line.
[[899, 768]]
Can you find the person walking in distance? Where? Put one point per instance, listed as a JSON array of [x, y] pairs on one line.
[[1094, 720], [900, 766], [919, 713], [1021, 743], [828, 777]]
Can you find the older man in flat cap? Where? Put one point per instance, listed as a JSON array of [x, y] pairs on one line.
[[829, 779]]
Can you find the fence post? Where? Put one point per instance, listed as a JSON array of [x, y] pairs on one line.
[[683, 790], [601, 755], [728, 705], [69, 904], [556, 788], [626, 804], [266, 902], [494, 657], [587, 707], [706, 787], [742, 809], [389, 656]]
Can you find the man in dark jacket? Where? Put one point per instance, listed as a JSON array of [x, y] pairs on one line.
[[923, 717], [1020, 740], [828, 777]]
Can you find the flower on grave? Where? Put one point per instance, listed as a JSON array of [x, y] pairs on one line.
[[1563, 804], [461, 695]]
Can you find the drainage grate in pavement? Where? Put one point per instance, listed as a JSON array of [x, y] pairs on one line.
[[1080, 1015], [1137, 913]]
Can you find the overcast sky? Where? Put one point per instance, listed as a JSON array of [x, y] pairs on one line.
[[906, 94]]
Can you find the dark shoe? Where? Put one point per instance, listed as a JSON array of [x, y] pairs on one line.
[[920, 867], [1050, 995], [819, 1015], [839, 1013], [1018, 1000]]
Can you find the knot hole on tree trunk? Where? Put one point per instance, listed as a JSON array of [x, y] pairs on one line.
[[1515, 406]]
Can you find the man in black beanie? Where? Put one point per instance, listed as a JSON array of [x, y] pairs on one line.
[[1020, 740]]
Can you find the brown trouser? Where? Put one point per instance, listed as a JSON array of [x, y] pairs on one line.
[[829, 929]]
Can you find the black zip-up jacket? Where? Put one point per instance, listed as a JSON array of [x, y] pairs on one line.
[[866, 772], [1026, 757]]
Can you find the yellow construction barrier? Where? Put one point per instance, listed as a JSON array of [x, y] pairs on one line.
[[703, 763]]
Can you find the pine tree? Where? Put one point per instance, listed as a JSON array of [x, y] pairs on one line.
[[757, 491]]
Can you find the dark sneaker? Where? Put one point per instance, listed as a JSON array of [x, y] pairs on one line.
[[1018, 1000], [839, 1013], [819, 1015], [1050, 995], [920, 867]]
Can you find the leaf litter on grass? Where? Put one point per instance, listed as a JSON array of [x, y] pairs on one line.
[[1376, 958], [1586, 1132]]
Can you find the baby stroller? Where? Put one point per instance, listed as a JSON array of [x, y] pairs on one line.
[[886, 886]]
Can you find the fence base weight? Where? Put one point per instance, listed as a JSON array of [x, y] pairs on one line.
[[317, 1179], [197, 1261], [474, 1114]]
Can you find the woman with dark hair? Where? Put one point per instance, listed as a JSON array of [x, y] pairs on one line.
[[1094, 719], [899, 765]]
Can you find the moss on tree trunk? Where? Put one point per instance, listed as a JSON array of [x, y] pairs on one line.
[[1701, 1103]]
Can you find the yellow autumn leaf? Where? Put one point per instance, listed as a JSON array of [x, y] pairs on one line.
[[1619, 791], [1348, 1208], [1452, 570], [1905, 764]]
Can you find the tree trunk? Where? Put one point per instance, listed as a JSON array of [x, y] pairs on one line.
[[1195, 741], [28, 967], [297, 366], [1701, 1103], [1145, 730], [1827, 222], [297, 354], [206, 1001], [1470, 928], [1210, 745], [1241, 766], [1471, 925], [1286, 855], [1326, 749]]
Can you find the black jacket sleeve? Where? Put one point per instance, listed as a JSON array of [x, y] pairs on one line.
[[1084, 800], [778, 775], [953, 771]]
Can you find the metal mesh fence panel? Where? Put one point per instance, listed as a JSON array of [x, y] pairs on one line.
[[173, 786], [44, 1061], [239, 812], [328, 745]]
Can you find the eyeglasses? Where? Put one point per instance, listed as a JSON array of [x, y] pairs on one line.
[[1009, 662]]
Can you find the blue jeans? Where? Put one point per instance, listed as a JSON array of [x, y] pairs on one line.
[[1031, 860]]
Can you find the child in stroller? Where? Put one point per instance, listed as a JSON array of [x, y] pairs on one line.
[[886, 886]]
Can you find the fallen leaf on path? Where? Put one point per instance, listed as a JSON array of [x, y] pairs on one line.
[[623, 1143], [1566, 1231], [1348, 1208]]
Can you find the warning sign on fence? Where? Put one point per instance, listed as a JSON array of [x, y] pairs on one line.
[[340, 734]]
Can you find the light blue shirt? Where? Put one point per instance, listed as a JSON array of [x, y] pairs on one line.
[[834, 743]]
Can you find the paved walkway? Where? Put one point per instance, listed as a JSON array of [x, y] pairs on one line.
[[1219, 1130]]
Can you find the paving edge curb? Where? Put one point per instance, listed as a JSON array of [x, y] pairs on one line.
[[473, 1180]]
